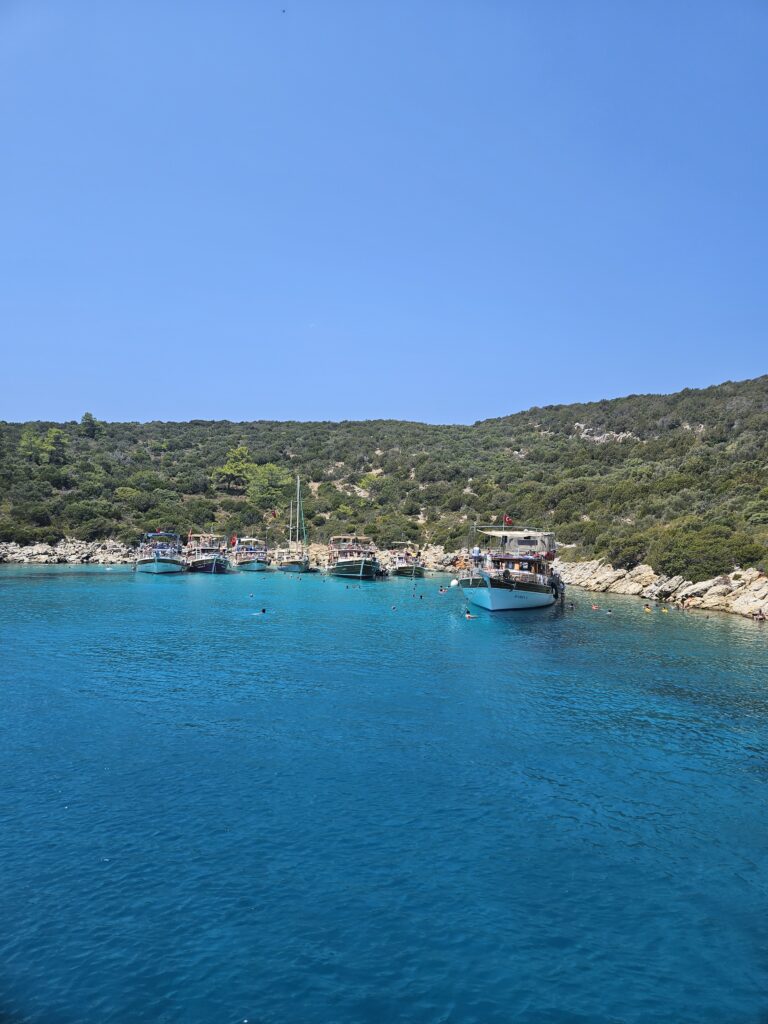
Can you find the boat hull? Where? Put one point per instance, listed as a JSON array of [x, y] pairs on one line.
[[298, 566], [497, 597], [411, 572], [356, 568], [160, 566], [257, 565], [210, 564]]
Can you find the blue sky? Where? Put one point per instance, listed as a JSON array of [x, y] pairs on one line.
[[423, 210]]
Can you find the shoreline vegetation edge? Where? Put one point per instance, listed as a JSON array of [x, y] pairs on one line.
[[741, 592]]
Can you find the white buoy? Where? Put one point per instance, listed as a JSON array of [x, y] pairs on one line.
[[454, 583]]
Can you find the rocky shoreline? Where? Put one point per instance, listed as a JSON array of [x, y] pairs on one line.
[[741, 592], [67, 552]]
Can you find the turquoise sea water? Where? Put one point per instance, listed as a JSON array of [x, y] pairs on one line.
[[345, 812]]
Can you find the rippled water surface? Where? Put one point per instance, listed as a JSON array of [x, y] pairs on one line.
[[343, 811]]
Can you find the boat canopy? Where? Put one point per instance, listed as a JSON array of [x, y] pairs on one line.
[[156, 534], [350, 539], [515, 535], [255, 541]]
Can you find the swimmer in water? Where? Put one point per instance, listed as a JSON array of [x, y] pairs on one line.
[[468, 615]]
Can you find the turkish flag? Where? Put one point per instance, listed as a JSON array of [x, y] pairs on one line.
[[507, 520]]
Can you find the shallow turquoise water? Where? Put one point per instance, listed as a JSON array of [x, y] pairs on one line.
[[345, 812]]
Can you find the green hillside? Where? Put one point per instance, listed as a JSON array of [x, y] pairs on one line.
[[678, 480]]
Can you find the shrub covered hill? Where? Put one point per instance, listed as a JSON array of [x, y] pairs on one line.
[[680, 481]]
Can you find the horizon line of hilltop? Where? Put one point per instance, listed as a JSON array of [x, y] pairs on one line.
[[595, 404]]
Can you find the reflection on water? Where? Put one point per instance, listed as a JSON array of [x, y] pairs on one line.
[[362, 807]]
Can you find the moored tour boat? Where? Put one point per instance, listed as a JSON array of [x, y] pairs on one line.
[[515, 574], [404, 561], [205, 553], [250, 554], [353, 556], [159, 553], [293, 559]]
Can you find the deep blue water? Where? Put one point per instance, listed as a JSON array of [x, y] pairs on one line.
[[345, 812]]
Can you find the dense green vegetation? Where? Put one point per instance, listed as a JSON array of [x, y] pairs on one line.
[[678, 480]]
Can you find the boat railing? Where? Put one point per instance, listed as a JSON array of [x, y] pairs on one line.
[[164, 550], [519, 575], [519, 551]]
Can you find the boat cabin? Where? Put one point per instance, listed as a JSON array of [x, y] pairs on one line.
[[520, 567], [404, 552], [351, 546], [520, 543], [250, 545]]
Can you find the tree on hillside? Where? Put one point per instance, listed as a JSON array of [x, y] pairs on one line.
[[50, 449], [268, 486], [55, 447], [31, 446], [89, 425], [236, 470], [701, 550]]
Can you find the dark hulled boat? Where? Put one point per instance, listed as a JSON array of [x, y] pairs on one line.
[[404, 561], [205, 553], [353, 557]]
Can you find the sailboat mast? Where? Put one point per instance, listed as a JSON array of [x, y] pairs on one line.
[[298, 507]]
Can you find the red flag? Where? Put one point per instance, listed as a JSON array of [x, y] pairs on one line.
[[507, 520], [234, 540]]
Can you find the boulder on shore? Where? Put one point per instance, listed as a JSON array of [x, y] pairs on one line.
[[742, 592], [69, 551]]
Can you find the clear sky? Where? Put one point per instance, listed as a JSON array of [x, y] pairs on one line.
[[316, 209]]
